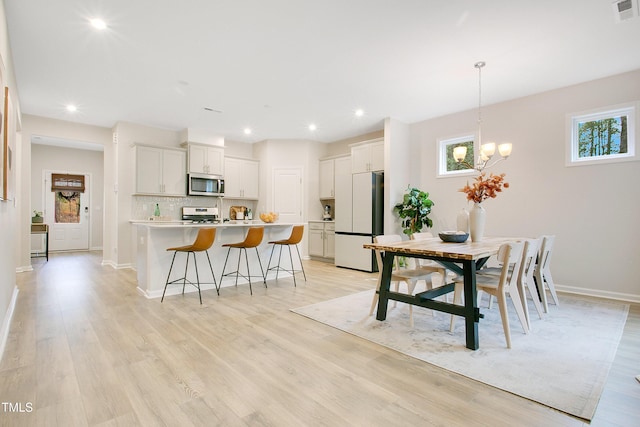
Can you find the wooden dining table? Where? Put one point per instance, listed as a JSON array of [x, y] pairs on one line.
[[462, 258]]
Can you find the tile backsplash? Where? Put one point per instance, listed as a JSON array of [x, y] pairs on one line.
[[142, 207]]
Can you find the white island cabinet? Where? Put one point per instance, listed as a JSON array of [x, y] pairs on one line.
[[153, 260]]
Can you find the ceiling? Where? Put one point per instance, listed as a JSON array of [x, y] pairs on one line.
[[277, 66]]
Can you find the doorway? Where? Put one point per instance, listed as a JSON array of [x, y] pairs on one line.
[[67, 198], [287, 194]]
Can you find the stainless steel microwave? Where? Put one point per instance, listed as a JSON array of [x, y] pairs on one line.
[[205, 185]]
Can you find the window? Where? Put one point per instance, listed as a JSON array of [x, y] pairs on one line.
[[67, 207], [602, 136], [447, 165]]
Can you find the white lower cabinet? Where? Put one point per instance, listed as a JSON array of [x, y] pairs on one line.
[[322, 239]]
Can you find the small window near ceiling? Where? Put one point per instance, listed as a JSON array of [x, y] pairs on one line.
[[447, 165], [606, 135]]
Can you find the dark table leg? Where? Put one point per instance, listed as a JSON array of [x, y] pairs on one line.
[[383, 300], [472, 314], [46, 238]]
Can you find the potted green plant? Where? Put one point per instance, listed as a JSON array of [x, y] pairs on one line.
[[37, 217], [414, 211]]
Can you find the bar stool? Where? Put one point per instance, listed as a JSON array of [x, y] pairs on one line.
[[252, 240], [204, 240], [295, 238]]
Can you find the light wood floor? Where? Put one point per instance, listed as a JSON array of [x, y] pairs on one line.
[[86, 349]]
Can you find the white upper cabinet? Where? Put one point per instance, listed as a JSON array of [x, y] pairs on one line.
[[241, 179], [367, 157], [327, 179], [206, 159], [160, 171]]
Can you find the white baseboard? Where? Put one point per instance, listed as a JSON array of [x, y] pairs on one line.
[[24, 268], [6, 323], [598, 293], [114, 265]]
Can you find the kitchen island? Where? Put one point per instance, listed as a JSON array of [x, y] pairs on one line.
[[153, 260]]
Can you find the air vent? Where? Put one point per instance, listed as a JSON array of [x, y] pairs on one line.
[[624, 10]]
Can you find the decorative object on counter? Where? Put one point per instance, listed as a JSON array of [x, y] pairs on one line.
[[414, 211], [481, 190], [462, 221], [37, 217], [249, 215], [156, 212], [326, 216], [486, 150], [453, 236], [269, 216], [237, 212]]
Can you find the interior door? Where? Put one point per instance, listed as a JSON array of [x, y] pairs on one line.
[[287, 194], [67, 214]]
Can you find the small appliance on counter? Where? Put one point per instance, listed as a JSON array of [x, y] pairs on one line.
[[200, 215], [326, 216]]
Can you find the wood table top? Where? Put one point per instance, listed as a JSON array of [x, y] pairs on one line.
[[437, 248]]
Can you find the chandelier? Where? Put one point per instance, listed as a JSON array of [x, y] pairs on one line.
[[488, 149]]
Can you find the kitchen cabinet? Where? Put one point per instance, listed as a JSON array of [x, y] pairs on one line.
[[367, 157], [326, 179], [322, 239], [343, 211], [206, 159], [160, 171], [242, 178]]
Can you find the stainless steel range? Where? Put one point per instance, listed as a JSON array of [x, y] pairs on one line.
[[200, 215]]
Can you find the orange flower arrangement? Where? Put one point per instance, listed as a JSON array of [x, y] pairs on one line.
[[483, 189]]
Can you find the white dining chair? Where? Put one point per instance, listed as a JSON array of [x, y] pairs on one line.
[[526, 282], [446, 276], [543, 277], [506, 283], [410, 276]]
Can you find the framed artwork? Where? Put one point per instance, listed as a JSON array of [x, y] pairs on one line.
[[9, 140], [4, 144]]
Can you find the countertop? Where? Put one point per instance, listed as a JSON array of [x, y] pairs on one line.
[[321, 220], [187, 224]]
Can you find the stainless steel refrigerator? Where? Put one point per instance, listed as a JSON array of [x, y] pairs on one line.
[[359, 218]]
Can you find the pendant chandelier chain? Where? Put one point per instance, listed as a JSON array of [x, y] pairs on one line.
[[479, 66]]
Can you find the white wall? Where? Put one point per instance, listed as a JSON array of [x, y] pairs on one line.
[[40, 126], [397, 155], [9, 210], [59, 159], [592, 210], [119, 253]]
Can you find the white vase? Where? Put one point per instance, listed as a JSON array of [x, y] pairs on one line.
[[462, 221], [477, 218]]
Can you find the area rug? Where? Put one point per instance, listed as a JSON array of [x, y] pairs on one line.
[[562, 363]]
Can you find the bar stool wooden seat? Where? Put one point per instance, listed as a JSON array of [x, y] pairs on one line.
[[204, 241], [252, 240], [296, 236]]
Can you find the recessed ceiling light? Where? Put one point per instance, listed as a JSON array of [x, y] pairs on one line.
[[247, 131], [312, 127], [359, 113], [72, 108], [98, 24]]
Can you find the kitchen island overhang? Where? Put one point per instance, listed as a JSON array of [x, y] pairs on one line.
[[152, 258]]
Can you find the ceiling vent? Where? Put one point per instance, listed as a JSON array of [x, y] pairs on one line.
[[624, 10]]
